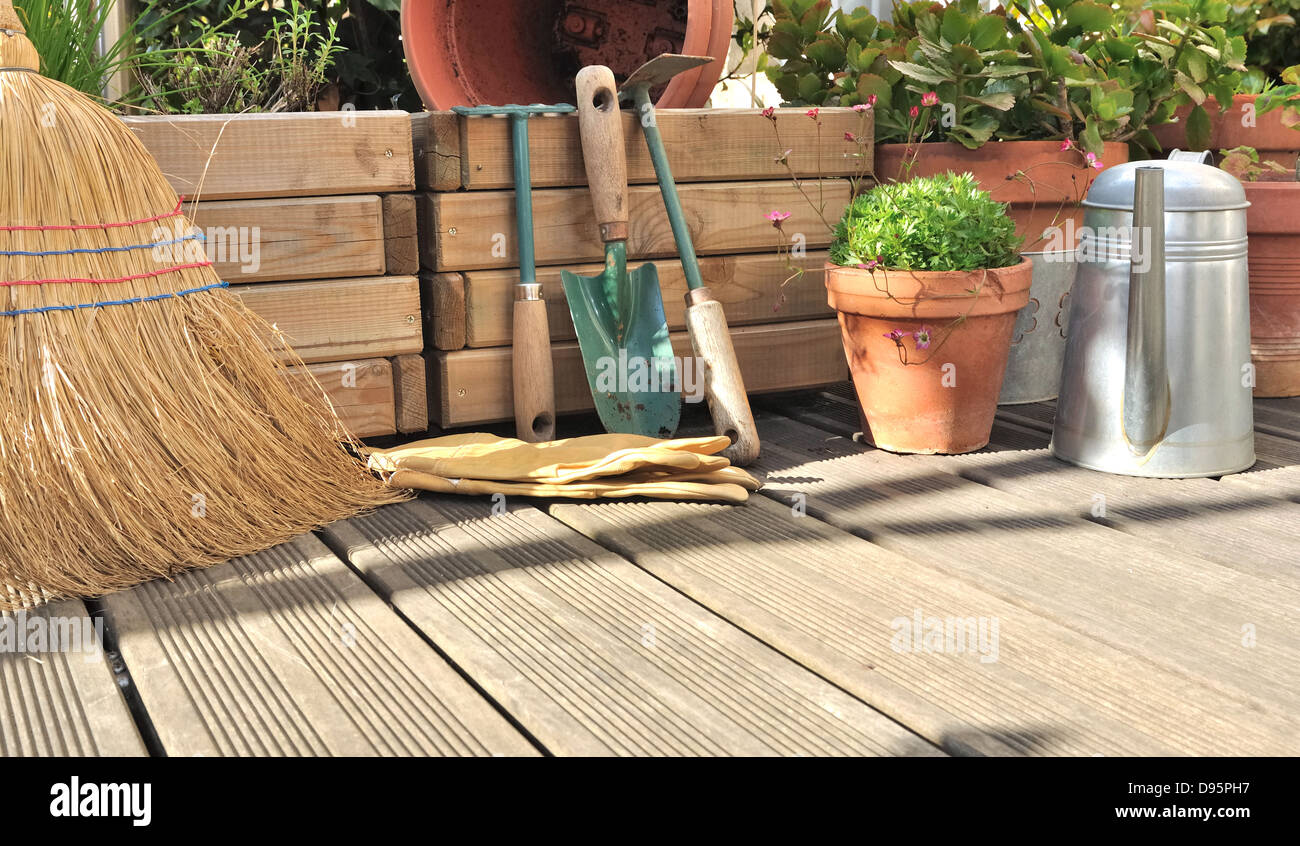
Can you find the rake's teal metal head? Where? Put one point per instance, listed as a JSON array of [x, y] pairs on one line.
[[623, 335], [512, 110]]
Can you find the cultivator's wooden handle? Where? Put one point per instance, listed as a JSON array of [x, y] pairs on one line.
[[534, 385], [602, 149], [723, 385]]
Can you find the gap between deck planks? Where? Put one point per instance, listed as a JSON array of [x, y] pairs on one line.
[[61, 702], [590, 654]]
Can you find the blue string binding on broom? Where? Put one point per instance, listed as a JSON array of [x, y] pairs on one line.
[[131, 301], [198, 236]]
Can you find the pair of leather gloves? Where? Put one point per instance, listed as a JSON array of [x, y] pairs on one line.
[[591, 467]]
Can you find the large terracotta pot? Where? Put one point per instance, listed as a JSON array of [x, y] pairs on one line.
[[1273, 224], [944, 400], [1048, 194], [475, 52], [1229, 129]]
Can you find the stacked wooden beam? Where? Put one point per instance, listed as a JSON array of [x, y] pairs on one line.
[[312, 219], [732, 168]]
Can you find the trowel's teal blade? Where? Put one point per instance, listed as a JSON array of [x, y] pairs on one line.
[[619, 317]]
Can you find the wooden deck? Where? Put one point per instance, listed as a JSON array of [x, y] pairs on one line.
[[1119, 617]]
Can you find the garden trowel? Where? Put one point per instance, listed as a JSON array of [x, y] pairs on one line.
[[710, 337], [619, 314]]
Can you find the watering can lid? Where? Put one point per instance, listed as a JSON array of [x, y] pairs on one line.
[[1189, 187]]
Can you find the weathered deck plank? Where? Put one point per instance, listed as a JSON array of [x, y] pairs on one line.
[[61, 702], [833, 601], [1182, 612], [287, 652], [589, 653]]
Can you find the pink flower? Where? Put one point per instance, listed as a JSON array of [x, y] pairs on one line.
[[895, 335], [863, 107], [871, 265], [871, 99], [777, 217], [812, 113], [769, 113], [922, 337], [1067, 144], [850, 137], [913, 112], [1098, 165], [930, 99]]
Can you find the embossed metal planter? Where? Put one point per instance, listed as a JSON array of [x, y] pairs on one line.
[[1038, 344]]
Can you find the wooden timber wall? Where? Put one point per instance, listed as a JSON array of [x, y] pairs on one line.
[[730, 170], [312, 218]]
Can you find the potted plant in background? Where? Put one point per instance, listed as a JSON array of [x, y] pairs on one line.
[[1033, 98], [927, 277], [1273, 225], [1250, 114]]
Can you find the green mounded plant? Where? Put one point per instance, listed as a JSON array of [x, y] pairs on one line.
[[1077, 71], [937, 223]]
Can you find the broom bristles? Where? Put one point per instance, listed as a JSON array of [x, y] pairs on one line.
[[150, 435]]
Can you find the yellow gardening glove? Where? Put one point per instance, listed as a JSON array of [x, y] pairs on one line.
[[610, 487], [487, 457]]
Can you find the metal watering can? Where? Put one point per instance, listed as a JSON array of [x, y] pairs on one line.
[[1157, 376]]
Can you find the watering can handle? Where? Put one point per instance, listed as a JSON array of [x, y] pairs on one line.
[[603, 150], [1203, 157]]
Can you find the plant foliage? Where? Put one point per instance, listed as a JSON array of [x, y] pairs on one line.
[[1080, 70], [943, 222]]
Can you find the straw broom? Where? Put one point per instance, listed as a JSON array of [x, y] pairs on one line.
[[144, 426]]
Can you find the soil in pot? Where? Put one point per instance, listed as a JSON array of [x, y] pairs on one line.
[[1273, 224], [936, 400], [473, 52], [1042, 183]]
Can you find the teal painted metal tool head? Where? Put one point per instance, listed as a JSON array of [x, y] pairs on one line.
[[512, 110]]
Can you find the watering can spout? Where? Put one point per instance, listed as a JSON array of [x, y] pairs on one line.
[[1146, 369]]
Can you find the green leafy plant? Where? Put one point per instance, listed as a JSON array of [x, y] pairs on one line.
[[367, 69], [943, 222], [207, 68], [68, 36], [1074, 71]]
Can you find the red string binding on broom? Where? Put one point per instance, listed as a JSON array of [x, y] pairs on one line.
[[138, 276], [81, 226]]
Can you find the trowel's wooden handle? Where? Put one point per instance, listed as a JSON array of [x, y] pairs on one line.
[[602, 149], [534, 379], [723, 385]]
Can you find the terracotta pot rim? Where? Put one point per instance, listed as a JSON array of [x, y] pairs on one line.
[[848, 291], [830, 265]]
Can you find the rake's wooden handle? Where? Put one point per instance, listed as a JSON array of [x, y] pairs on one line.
[[723, 385], [534, 379], [601, 125]]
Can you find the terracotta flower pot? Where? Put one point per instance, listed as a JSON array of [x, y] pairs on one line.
[[1273, 224], [474, 52], [945, 399], [1232, 128], [1049, 195]]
